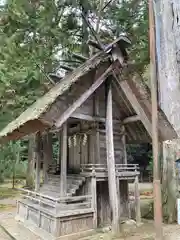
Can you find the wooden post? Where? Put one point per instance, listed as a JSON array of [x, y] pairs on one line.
[[49, 148], [155, 143], [63, 183], [45, 157], [124, 145], [126, 188], [137, 199], [97, 136], [38, 161], [118, 195], [59, 147], [94, 198], [31, 162], [111, 162]]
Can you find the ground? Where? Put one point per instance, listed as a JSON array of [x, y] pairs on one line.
[[8, 198]]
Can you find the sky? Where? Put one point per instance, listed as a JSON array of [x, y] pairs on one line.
[[2, 2]]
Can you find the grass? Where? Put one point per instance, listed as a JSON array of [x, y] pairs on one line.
[[6, 207], [6, 190], [7, 193]]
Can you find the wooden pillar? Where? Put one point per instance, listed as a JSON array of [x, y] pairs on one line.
[[63, 183], [126, 184], [38, 161], [96, 113], [94, 199], [46, 156], [47, 153], [124, 145], [111, 163], [31, 162], [50, 147], [59, 148], [118, 195], [137, 200]]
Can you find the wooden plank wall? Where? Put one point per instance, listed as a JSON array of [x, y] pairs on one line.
[[85, 152], [103, 204]]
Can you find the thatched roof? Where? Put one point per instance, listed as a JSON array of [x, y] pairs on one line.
[[32, 116]]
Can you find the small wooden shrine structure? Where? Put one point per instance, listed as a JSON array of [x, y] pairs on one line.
[[96, 111]]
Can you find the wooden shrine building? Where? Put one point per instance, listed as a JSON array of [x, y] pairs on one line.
[[95, 110]]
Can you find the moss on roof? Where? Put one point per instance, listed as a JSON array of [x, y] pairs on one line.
[[40, 107]]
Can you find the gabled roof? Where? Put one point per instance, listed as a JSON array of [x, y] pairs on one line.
[[32, 119], [32, 116]]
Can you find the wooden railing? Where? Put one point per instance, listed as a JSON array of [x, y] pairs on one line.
[[127, 167], [93, 167], [75, 202], [103, 167]]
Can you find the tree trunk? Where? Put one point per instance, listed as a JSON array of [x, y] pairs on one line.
[[168, 56], [168, 53], [85, 33], [31, 162]]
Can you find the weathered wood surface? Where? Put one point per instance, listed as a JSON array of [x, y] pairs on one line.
[[82, 98], [168, 53], [104, 216], [35, 118], [31, 162], [118, 148], [94, 200], [57, 226], [38, 160], [137, 200], [63, 182], [47, 153], [111, 162], [124, 145], [137, 107], [167, 16]]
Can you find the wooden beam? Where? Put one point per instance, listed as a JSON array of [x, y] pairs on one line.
[[82, 98], [63, 183], [67, 68], [117, 55], [94, 44], [79, 57], [92, 118], [131, 119], [111, 163], [136, 105]]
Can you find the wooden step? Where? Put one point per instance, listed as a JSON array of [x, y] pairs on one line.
[[73, 184]]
